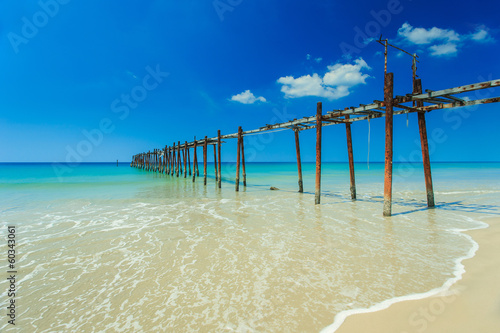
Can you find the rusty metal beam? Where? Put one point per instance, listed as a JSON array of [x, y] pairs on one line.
[[351, 158], [425, 147], [237, 181], [388, 98], [317, 193], [299, 163]]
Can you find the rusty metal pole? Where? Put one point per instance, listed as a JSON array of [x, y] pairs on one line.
[[167, 165], [299, 163], [388, 99], [425, 147], [215, 163], [174, 162], [238, 161], [219, 180], [319, 112], [197, 169], [195, 160], [185, 160], [189, 160], [179, 165], [243, 160], [351, 157], [205, 148]]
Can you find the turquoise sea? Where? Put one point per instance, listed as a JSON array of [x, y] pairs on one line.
[[102, 247]]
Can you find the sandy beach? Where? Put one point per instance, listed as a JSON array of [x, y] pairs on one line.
[[471, 305]]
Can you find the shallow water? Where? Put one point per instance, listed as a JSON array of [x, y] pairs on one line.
[[108, 248]]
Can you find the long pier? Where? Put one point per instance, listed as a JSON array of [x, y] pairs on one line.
[[168, 160]]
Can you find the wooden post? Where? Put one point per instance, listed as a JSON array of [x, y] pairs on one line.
[[197, 169], [174, 165], [417, 88], [205, 148], [179, 165], [195, 160], [351, 157], [238, 161], [185, 160], [243, 160], [215, 163], [189, 161], [219, 179], [388, 99], [319, 112], [299, 163]]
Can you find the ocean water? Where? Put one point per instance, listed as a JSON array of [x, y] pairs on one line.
[[102, 248]]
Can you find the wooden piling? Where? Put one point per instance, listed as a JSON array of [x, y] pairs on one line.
[[185, 159], [243, 160], [425, 147], [174, 165], [237, 182], [195, 160], [319, 112], [205, 148], [299, 163], [179, 165], [219, 179], [351, 157], [197, 169], [189, 160], [388, 99], [215, 163]]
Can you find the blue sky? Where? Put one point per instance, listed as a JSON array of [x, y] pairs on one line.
[[86, 81]]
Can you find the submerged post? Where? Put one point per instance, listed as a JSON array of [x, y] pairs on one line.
[[351, 157], [185, 159], [388, 99], [238, 161], [299, 163], [417, 89], [195, 160], [215, 163], [179, 165], [189, 160], [174, 162], [243, 160], [205, 148], [319, 112], [219, 181]]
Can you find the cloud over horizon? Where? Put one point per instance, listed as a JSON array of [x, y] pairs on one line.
[[441, 42], [334, 84], [247, 97]]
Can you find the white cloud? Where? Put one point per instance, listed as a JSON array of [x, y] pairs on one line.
[[333, 85], [426, 36], [480, 34], [444, 49], [318, 60], [443, 42], [308, 57], [247, 97]]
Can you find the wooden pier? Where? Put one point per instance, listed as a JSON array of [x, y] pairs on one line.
[[168, 159]]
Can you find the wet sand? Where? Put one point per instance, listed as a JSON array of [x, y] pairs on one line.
[[471, 305]]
